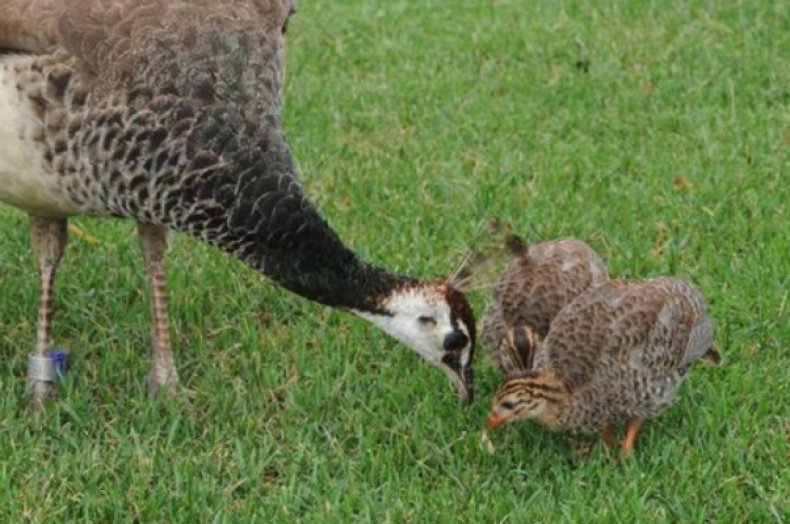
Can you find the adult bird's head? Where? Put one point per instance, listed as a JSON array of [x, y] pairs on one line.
[[435, 320]]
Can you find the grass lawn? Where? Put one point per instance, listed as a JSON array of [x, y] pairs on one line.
[[657, 131]]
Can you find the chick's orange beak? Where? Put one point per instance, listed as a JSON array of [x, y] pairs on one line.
[[494, 421]]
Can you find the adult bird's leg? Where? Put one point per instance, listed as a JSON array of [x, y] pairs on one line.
[[48, 238], [163, 375], [632, 430]]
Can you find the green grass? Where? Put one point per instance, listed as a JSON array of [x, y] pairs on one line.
[[657, 131]]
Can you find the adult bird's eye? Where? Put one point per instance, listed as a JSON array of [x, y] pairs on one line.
[[508, 404], [426, 320]]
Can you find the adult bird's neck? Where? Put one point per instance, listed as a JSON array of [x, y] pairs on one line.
[[254, 208], [288, 240]]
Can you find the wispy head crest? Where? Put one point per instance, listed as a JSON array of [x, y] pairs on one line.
[[486, 256]]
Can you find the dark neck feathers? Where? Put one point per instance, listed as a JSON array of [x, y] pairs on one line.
[[252, 205], [276, 229]]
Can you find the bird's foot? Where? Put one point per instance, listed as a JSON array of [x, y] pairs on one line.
[[163, 382], [580, 446], [41, 391]]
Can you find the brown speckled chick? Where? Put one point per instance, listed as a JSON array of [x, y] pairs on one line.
[[618, 352], [536, 284]]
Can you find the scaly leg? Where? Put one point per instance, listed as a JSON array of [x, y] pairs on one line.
[[48, 238], [632, 430], [163, 375]]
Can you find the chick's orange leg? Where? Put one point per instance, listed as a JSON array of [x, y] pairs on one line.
[[607, 434], [632, 430]]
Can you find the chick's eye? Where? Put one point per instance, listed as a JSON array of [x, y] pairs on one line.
[[508, 404], [426, 320]]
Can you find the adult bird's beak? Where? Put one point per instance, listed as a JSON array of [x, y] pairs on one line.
[[494, 420], [462, 378], [463, 385]]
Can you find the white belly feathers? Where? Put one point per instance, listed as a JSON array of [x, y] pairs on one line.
[[25, 180]]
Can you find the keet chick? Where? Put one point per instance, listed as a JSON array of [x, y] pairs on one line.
[[618, 352], [537, 283]]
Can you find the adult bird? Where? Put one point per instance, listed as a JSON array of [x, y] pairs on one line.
[[168, 112]]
